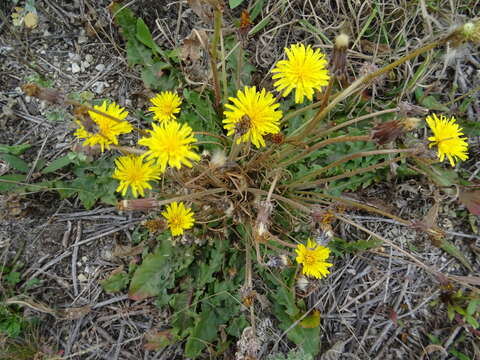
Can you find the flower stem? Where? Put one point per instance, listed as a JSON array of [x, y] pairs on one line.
[[317, 146], [300, 182], [214, 58], [347, 174]]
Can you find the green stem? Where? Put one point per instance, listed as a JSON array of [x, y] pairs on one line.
[[287, 151], [317, 146], [347, 174], [313, 174], [214, 59]]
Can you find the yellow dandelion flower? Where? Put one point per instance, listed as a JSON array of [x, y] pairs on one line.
[[132, 171], [447, 135], [304, 71], [108, 129], [178, 218], [252, 115], [313, 257], [166, 105], [170, 143]]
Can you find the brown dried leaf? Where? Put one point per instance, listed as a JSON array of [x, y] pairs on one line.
[[127, 250], [203, 9], [158, 339], [471, 200], [375, 48], [193, 45], [75, 313], [432, 348]]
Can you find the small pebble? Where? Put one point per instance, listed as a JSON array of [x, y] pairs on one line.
[[89, 58], [100, 67], [75, 68], [82, 278]]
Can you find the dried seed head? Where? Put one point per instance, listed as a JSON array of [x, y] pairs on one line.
[[280, 261], [341, 41], [219, 159], [338, 62], [303, 283]]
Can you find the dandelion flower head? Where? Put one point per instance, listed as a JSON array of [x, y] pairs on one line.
[[170, 144], [312, 257], [108, 129], [252, 115], [447, 135], [178, 218], [165, 105], [304, 70], [132, 171]]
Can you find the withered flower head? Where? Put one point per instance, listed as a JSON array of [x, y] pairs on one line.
[[53, 96], [137, 204], [338, 62], [262, 222], [370, 68], [280, 262], [406, 109], [389, 131], [469, 32], [155, 225], [245, 25]]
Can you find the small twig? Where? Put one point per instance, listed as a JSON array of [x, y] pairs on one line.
[[75, 256]]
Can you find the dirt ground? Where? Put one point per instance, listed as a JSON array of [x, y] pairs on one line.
[[377, 304]]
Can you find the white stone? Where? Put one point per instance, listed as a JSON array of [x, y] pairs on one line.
[[82, 278], [75, 68], [100, 67]]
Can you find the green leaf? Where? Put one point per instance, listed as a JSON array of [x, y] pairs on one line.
[[204, 332], [154, 274], [14, 149], [311, 321], [472, 306], [115, 282], [10, 181], [13, 278], [472, 321], [59, 163], [450, 248], [137, 53], [15, 162], [145, 37], [430, 102], [459, 355], [234, 3]]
